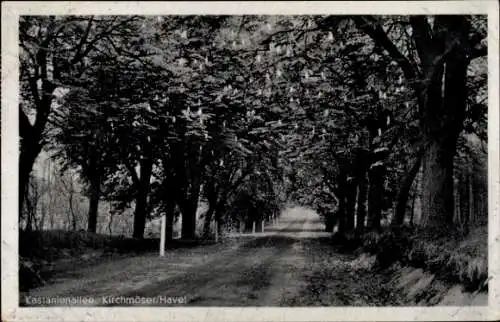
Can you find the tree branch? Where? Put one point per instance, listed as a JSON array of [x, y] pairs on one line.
[[83, 40], [422, 35], [370, 26]]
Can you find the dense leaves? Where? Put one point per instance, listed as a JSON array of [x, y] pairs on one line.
[[249, 112]]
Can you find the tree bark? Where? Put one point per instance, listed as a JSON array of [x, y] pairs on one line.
[[208, 219], [375, 195], [437, 186], [470, 198], [463, 193], [29, 212], [95, 194], [444, 114], [191, 199], [219, 216], [404, 192], [341, 210], [189, 210], [412, 213], [111, 218], [72, 211], [362, 196], [30, 149], [350, 205], [444, 52], [169, 216], [188, 229], [141, 200], [31, 134]]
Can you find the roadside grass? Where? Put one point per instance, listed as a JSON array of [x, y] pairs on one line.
[[368, 270], [45, 253], [452, 258]]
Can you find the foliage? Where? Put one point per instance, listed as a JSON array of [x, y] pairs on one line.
[[453, 259], [236, 110]]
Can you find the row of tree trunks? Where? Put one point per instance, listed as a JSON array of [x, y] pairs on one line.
[[439, 82], [214, 214], [142, 184], [352, 212], [470, 197]]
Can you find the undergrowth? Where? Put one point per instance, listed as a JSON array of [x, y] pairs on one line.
[[451, 258]]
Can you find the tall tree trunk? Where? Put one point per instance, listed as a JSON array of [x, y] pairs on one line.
[[437, 186], [362, 195], [29, 211], [46, 174], [188, 229], [212, 197], [404, 191], [170, 214], [350, 205], [170, 197], [341, 211], [470, 196], [95, 194], [443, 51], [29, 152], [42, 219], [443, 121], [141, 200], [31, 134], [412, 213], [463, 205], [140, 214], [190, 206], [208, 219], [375, 196], [189, 211], [219, 216], [71, 209], [457, 216]]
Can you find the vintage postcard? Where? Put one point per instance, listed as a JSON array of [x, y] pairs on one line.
[[250, 161]]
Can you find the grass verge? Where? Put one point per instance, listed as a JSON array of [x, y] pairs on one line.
[[44, 253], [451, 258]]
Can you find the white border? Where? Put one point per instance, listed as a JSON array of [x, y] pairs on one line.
[[9, 175]]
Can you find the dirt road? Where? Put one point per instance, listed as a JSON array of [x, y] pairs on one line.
[[276, 268]]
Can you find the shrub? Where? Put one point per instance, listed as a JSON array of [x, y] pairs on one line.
[[454, 259]]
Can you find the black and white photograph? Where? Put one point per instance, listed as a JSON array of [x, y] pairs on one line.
[[247, 159]]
